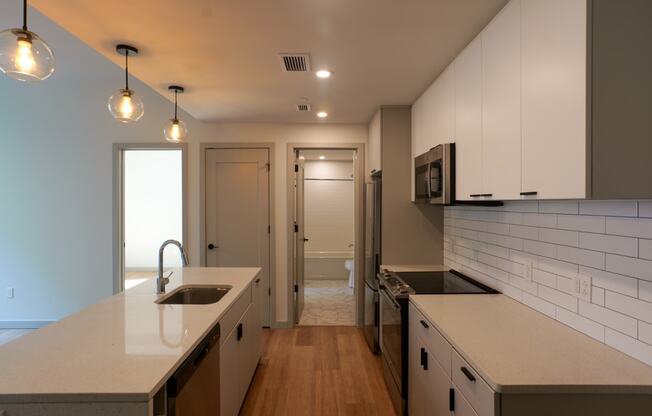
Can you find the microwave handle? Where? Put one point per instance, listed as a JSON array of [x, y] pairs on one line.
[[429, 181]]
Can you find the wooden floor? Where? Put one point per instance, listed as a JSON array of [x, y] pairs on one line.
[[314, 370]]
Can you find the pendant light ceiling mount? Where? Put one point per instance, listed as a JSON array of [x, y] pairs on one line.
[[126, 50], [125, 106]]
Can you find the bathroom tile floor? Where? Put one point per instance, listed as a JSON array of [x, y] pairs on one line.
[[328, 302]]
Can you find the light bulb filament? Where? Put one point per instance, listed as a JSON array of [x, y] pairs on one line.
[[175, 133], [24, 56], [126, 106]]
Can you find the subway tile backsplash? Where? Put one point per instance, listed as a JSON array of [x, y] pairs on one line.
[[532, 250]]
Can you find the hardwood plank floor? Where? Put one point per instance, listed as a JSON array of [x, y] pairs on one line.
[[312, 370]]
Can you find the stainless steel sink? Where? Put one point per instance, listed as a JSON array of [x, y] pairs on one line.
[[195, 295]]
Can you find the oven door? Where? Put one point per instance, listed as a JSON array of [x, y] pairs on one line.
[[391, 336]]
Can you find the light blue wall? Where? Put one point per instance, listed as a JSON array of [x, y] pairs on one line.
[[56, 175]]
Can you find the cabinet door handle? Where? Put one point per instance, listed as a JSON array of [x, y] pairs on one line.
[[468, 374], [240, 332], [451, 400], [424, 324], [529, 193], [424, 359]]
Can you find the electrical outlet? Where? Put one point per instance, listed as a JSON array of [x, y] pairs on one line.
[[582, 287], [10, 295], [527, 268]]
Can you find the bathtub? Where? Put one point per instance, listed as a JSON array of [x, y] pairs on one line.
[[326, 264]]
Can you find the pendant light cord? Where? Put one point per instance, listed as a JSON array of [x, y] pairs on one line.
[[175, 104], [25, 15], [127, 70]]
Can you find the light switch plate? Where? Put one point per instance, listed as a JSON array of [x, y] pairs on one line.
[[582, 287]]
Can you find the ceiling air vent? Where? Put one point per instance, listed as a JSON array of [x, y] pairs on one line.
[[303, 107], [295, 62]]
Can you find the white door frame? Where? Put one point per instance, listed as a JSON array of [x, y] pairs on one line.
[[203, 148], [118, 201], [359, 222]]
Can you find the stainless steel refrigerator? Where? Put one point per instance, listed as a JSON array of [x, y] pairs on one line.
[[372, 260]]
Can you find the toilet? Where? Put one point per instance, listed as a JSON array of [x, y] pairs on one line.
[[348, 264]]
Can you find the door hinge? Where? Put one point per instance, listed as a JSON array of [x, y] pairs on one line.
[[296, 168], [296, 227], [296, 288]]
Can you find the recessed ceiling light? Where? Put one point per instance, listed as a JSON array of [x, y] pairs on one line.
[[322, 114], [322, 157], [323, 73]]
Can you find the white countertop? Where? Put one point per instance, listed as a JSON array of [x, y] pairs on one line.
[[414, 267], [519, 350], [122, 348]]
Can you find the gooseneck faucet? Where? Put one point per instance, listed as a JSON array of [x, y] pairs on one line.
[[160, 280]]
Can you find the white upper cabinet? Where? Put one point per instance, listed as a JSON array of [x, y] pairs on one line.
[[554, 69], [468, 121], [433, 114], [501, 104]]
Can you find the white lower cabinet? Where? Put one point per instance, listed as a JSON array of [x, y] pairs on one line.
[[240, 350], [432, 390]]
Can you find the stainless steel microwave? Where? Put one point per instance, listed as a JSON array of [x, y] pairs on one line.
[[434, 181]]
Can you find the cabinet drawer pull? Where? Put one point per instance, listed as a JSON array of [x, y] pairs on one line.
[[451, 400], [529, 193], [424, 359], [487, 195], [424, 324], [468, 374], [475, 195]]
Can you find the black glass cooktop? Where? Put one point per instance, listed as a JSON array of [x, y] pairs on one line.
[[430, 283]]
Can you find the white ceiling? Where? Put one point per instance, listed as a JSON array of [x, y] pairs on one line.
[[225, 51]]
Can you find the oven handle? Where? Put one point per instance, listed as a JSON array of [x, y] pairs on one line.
[[394, 302], [429, 181]]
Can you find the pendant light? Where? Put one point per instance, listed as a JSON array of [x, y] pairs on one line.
[[125, 106], [24, 56], [175, 130]]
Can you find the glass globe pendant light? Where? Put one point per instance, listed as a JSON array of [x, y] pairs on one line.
[[175, 130], [24, 56], [125, 106]]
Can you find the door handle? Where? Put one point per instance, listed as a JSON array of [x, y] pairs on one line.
[[239, 333], [306, 239], [212, 246], [424, 359]]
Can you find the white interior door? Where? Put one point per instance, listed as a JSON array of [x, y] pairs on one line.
[[300, 241], [237, 213]]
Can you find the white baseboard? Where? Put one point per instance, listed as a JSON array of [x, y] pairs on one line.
[[23, 324]]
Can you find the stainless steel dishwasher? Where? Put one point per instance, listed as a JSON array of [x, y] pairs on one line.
[[194, 389]]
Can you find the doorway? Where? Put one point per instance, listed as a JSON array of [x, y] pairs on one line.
[[149, 195], [237, 227], [326, 215]]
